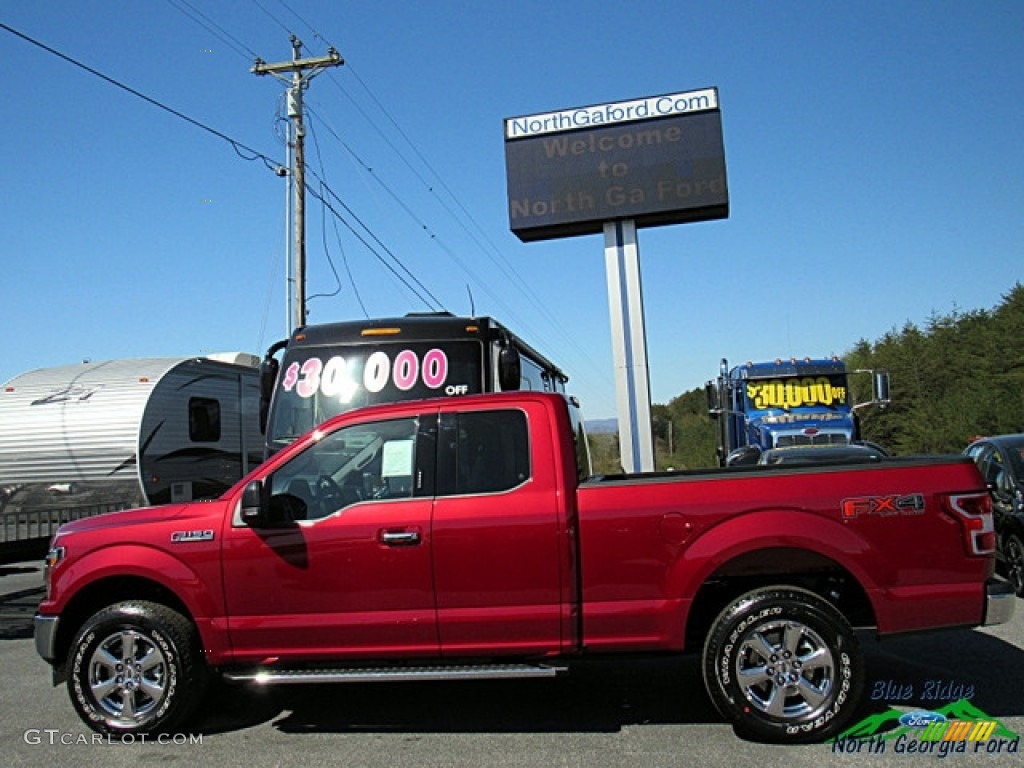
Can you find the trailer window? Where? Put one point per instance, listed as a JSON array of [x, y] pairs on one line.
[[203, 420]]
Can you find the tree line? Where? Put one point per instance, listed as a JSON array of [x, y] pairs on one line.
[[958, 376]]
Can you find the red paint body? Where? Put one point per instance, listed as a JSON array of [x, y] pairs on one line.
[[549, 568]]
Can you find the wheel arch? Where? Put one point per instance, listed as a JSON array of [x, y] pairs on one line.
[[767, 566], [97, 596]]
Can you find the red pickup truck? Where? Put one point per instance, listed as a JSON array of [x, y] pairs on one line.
[[464, 538]]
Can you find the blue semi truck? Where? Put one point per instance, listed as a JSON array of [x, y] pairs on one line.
[[786, 403]]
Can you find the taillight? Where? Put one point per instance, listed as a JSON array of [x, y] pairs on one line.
[[974, 513]]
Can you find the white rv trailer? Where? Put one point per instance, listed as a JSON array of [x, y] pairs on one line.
[[80, 440]]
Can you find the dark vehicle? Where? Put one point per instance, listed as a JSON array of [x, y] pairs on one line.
[[1001, 461], [818, 454]]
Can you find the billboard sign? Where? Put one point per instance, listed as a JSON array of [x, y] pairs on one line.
[[656, 160]]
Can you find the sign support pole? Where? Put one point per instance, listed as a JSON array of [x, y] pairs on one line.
[[629, 345]]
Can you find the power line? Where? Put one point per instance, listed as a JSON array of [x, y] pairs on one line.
[[214, 28], [337, 234], [235, 144], [437, 304], [490, 250], [273, 165], [316, 34], [472, 229], [323, 228], [273, 18], [309, 26], [513, 276], [423, 226]]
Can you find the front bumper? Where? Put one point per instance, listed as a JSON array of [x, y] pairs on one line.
[[46, 637], [1000, 600]]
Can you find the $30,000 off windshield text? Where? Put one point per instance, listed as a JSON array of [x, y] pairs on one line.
[[794, 393], [337, 378]]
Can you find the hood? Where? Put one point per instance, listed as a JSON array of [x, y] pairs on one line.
[[125, 518]]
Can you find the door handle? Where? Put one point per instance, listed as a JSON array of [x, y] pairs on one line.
[[400, 538]]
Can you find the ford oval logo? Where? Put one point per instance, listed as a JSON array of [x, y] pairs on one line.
[[921, 718]]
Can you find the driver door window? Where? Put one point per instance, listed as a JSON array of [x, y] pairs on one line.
[[353, 464]]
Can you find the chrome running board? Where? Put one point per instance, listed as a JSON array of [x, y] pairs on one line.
[[265, 676]]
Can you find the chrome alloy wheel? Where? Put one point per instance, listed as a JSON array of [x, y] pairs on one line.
[[128, 677], [785, 669]]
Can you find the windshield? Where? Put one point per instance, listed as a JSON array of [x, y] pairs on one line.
[[317, 383], [797, 392], [1013, 448]]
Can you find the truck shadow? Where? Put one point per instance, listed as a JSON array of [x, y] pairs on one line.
[[594, 697], [931, 670], [923, 672]]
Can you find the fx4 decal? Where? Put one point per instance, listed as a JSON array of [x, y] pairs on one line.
[[883, 506]]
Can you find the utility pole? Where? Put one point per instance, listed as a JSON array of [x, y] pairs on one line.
[[302, 71]]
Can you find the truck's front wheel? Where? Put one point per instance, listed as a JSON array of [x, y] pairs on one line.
[[783, 665], [134, 669]]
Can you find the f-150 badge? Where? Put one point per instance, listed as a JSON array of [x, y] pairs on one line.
[[185, 536]]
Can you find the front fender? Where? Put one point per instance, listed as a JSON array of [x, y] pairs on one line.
[[196, 587]]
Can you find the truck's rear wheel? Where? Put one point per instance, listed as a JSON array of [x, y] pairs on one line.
[[783, 665], [135, 668]]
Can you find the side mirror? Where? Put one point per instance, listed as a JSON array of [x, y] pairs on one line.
[[509, 368], [882, 387], [714, 404], [744, 456], [268, 378], [1003, 485], [252, 504], [268, 375], [279, 511]]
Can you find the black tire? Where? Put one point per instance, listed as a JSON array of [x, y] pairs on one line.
[[784, 666], [1013, 552], [135, 667]]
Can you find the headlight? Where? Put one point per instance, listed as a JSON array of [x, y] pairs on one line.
[[54, 556]]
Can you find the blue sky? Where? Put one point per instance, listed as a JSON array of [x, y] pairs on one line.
[[875, 170]]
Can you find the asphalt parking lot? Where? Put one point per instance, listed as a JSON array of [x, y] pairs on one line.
[[640, 712]]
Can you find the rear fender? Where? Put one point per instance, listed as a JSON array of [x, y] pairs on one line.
[[772, 530]]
